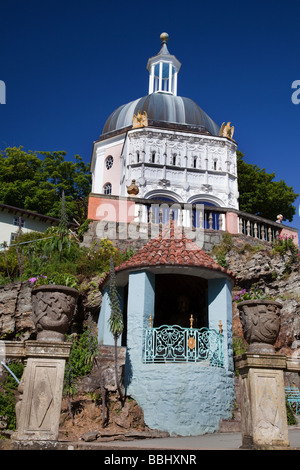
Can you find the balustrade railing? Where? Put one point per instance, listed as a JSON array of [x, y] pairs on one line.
[[259, 228], [194, 216], [198, 216], [149, 212], [172, 343]]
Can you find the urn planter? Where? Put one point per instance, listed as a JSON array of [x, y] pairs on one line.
[[260, 321], [53, 308]]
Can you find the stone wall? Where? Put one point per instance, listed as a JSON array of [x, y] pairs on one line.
[[15, 311], [118, 234], [275, 274], [278, 277], [16, 319]]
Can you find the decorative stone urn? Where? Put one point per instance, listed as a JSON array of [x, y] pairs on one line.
[[133, 189], [53, 308], [260, 321]]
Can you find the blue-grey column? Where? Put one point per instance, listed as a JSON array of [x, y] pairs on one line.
[[180, 398], [220, 309], [104, 334], [141, 301]]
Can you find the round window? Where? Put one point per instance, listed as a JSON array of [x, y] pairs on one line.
[[109, 162]]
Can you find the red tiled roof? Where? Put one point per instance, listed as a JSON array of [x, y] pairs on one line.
[[171, 248]]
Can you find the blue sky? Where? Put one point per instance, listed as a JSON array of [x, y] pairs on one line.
[[68, 64]]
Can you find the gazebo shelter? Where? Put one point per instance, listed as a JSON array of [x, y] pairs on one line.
[[177, 310]]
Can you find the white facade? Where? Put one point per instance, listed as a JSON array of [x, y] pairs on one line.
[[10, 218], [184, 161], [184, 167], [181, 166]]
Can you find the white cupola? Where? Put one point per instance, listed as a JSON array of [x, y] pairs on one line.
[[163, 69]]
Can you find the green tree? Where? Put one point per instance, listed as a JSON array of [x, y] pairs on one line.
[[115, 321], [35, 181], [260, 195]]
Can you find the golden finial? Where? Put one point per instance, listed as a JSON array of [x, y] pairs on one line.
[[164, 38], [191, 321], [220, 327], [132, 189], [150, 321]]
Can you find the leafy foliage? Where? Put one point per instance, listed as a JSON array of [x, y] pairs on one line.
[[252, 294], [239, 345], [116, 318], [291, 419], [96, 259], [284, 244], [115, 322], [221, 250], [56, 257], [7, 397], [260, 195], [35, 181], [82, 353]]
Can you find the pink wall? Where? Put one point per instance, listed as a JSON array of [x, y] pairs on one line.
[[290, 234], [231, 224], [112, 210], [113, 174]]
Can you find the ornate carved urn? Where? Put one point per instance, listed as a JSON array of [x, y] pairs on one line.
[[260, 321], [53, 309]]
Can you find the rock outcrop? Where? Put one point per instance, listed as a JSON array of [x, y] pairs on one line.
[[278, 275]]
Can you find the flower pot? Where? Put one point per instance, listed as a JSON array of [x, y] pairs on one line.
[[260, 321], [53, 309]]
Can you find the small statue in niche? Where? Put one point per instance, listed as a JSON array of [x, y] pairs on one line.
[[140, 120], [226, 130]]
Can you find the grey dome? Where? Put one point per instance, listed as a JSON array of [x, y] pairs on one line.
[[163, 108]]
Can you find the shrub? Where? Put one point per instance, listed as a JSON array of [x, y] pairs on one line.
[[284, 244], [96, 259], [7, 396], [221, 259], [221, 250], [82, 353], [239, 346], [290, 414]]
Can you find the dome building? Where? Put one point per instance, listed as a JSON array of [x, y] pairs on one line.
[[164, 146], [175, 300]]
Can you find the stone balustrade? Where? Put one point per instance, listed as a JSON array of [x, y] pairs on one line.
[[194, 216]]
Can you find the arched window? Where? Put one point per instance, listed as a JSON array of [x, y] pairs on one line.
[[137, 156], [174, 159], [107, 188], [109, 162], [161, 212], [205, 223], [153, 157], [194, 162]]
